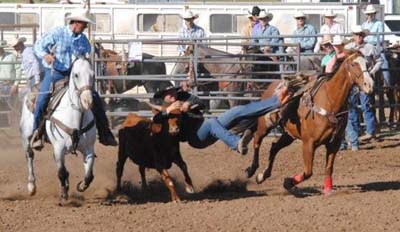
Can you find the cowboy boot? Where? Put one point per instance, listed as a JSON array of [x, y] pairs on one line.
[[36, 141], [105, 135]]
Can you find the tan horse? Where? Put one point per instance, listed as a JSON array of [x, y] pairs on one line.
[[321, 118]]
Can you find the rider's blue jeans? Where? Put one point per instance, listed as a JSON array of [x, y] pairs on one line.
[[368, 113], [44, 97], [218, 128]]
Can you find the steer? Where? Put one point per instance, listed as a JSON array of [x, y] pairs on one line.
[[152, 144]]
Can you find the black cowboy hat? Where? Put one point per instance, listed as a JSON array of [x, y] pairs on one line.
[[161, 93], [255, 11]]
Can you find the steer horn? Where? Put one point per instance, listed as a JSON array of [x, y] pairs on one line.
[[153, 106]]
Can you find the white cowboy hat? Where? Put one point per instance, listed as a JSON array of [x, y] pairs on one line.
[[3, 44], [370, 9], [358, 29], [299, 14], [329, 13], [189, 15], [338, 40], [16, 41], [264, 14], [80, 15]]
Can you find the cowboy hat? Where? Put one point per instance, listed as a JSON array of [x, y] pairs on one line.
[[3, 44], [339, 40], [299, 14], [356, 29], [80, 15], [264, 14], [327, 39], [370, 9], [163, 92], [255, 11], [329, 13], [189, 15], [16, 41]]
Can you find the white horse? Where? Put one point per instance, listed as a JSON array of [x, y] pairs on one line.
[[70, 128]]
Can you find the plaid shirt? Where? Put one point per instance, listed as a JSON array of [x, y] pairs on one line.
[[67, 46], [189, 33]]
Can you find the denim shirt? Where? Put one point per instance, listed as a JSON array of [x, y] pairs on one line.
[[306, 43], [268, 31], [67, 45], [373, 27]]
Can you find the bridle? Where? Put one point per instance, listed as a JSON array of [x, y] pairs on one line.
[[76, 89]]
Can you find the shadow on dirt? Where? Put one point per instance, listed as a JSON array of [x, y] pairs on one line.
[[156, 191], [373, 186]]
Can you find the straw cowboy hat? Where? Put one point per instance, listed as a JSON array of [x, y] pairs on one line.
[[356, 29], [339, 40], [16, 41], [3, 44], [255, 11], [330, 14], [80, 15], [370, 9], [299, 14], [327, 39], [264, 14], [189, 15]]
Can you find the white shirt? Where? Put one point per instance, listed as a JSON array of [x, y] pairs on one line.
[[335, 29]]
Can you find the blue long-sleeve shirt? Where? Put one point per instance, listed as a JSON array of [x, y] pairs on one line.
[[269, 30], [374, 26], [67, 45], [307, 44]]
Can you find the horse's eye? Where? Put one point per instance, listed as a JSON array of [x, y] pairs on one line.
[[76, 75]]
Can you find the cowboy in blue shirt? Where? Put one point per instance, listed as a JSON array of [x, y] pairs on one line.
[[307, 44], [57, 49]]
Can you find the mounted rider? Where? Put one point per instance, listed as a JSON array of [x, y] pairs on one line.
[[58, 49]]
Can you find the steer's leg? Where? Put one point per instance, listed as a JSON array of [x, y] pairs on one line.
[[122, 156], [142, 171], [182, 165], [170, 184]]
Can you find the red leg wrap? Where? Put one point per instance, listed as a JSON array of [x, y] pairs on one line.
[[298, 178], [328, 184]]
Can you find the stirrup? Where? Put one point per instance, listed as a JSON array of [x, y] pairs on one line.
[[36, 141]]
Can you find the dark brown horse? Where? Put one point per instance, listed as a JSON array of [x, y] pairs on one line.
[[232, 67], [317, 118]]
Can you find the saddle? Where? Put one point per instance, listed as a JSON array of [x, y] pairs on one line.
[[57, 92]]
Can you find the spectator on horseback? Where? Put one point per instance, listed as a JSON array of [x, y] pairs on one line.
[[253, 21], [330, 27], [190, 30], [9, 73], [31, 65], [307, 44], [201, 133], [58, 49], [263, 31], [374, 59]]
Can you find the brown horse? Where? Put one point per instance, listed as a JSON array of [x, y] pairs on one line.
[[320, 119]]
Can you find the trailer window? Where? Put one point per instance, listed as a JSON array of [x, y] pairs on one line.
[[8, 18], [226, 23], [159, 22], [103, 23]]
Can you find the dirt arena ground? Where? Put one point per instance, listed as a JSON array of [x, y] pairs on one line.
[[366, 197]]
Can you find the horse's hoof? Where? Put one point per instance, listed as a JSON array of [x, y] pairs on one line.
[[250, 171], [288, 183], [63, 202], [328, 192], [81, 186], [260, 178], [189, 189], [31, 189]]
